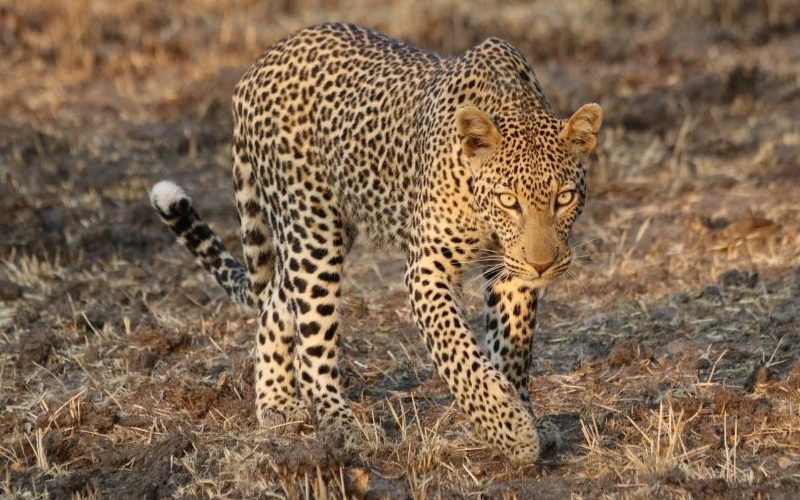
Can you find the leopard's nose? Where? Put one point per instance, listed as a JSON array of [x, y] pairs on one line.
[[541, 267]]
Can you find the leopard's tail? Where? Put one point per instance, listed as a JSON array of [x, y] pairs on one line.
[[176, 210]]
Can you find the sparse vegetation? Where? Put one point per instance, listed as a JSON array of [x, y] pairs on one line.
[[669, 357]]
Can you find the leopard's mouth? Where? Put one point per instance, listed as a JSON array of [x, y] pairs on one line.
[[525, 272]]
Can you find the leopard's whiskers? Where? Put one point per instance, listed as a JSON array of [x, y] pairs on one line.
[[595, 254], [585, 243], [567, 278], [489, 284], [577, 280], [484, 272]]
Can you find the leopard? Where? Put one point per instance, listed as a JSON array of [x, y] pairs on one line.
[[458, 162]]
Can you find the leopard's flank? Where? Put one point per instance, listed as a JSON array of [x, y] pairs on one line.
[[458, 161]]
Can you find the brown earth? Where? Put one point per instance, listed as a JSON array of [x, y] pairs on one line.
[[669, 357]]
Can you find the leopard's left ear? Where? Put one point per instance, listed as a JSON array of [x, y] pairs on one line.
[[580, 132], [479, 137]]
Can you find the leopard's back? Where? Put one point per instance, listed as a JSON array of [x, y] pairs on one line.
[[340, 104]]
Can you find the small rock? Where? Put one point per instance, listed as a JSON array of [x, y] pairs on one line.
[[680, 298], [52, 220], [626, 352], [741, 81], [651, 110], [26, 315], [674, 476], [786, 311], [90, 355], [760, 375], [217, 371], [793, 377], [711, 292], [92, 320], [662, 314], [737, 277], [36, 346], [9, 290], [143, 361], [716, 223]]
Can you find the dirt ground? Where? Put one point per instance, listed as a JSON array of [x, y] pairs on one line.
[[669, 357]]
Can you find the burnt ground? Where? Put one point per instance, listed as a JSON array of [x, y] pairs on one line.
[[669, 357]]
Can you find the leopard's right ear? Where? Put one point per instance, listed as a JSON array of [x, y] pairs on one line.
[[479, 137], [580, 131]]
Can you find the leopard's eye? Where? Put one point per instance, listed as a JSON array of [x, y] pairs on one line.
[[508, 200], [565, 198]]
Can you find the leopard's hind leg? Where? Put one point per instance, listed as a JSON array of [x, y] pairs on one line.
[[277, 403], [312, 250]]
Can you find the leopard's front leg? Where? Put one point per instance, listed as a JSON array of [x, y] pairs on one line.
[[510, 310], [482, 392]]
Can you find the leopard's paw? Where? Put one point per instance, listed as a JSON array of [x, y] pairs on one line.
[[287, 419], [526, 440], [348, 433]]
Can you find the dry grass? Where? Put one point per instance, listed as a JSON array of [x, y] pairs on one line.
[[669, 356]]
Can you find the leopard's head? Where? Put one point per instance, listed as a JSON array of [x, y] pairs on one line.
[[529, 183]]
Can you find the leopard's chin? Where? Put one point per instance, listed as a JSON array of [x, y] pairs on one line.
[[538, 282]]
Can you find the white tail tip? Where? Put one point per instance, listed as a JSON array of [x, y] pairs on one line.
[[166, 195]]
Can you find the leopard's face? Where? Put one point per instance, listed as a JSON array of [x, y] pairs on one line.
[[531, 209], [530, 190]]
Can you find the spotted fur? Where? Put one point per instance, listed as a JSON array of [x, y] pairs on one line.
[[340, 131]]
